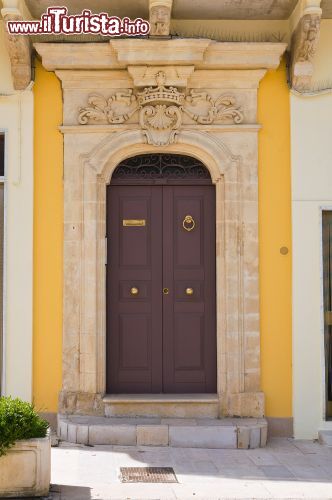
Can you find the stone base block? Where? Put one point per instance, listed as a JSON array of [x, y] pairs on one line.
[[152, 435], [203, 436], [325, 437], [245, 404]]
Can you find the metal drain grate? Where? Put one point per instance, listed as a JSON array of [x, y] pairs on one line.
[[148, 475]]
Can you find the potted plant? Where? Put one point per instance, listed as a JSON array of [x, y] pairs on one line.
[[25, 450]]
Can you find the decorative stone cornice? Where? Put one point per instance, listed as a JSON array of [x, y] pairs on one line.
[[160, 17], [161, 109], [121, 53], [19, 50], [303, 48]]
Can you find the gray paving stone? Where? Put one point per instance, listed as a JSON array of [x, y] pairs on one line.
[[309, 472], [205, 466], [263, 456], [203, 437], [277, 472]]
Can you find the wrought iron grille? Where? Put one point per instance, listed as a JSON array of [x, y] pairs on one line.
[[171, 167]]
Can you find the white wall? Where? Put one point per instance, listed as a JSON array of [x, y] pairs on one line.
[[311, 143], [16, 119]]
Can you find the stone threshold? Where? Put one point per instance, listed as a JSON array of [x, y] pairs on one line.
[[161, 405], [227, 433]]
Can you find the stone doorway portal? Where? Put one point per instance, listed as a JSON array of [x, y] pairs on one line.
[[193, 97]]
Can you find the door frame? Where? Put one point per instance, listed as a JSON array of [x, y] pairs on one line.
[[238, 364], [159, 183]]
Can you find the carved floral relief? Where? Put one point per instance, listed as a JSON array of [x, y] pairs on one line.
[[161, 109]]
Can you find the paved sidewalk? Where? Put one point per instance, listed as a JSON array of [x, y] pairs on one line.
[[286, 469]]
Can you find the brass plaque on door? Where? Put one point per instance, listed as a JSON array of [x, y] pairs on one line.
[[133, 222], [328, 318]]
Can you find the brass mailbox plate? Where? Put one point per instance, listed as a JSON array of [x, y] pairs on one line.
[[328, 318], [133, 222]]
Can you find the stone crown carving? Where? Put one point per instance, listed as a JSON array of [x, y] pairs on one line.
[[160, 94], [161, 109]]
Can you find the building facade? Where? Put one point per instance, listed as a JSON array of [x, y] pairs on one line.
[[202, 156]]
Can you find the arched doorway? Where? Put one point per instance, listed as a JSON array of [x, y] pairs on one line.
[[161, 276]]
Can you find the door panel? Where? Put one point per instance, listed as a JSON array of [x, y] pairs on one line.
[[161, 342], [189, 323], [134, 341]]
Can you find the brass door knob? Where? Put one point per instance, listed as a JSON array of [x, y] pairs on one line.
[[134, 291], [189, 291], [165, 291]]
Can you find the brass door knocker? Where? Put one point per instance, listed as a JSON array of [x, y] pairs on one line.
[[188, 223]]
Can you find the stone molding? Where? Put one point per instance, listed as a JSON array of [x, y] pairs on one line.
[[19, 51], [105, 157], [119, 54], [303, 48], [84, 378]]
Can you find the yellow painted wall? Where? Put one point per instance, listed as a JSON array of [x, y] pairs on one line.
[[275, 232], [48, 238]]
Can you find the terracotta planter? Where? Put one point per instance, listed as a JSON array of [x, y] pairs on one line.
[[25, 470]]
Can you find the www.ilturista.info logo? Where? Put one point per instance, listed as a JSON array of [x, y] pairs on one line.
[[56, 21]]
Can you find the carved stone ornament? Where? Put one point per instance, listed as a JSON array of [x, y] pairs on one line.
[[159, 21], [116, 109], [304, 45], [220, 109], [310, 26], [161, 109], [19, 51]]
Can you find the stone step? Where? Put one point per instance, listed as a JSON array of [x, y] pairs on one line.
[[228, 433], [325, 437], [162, 405]]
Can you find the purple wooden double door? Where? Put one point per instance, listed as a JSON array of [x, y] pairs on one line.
[[161, 300]]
